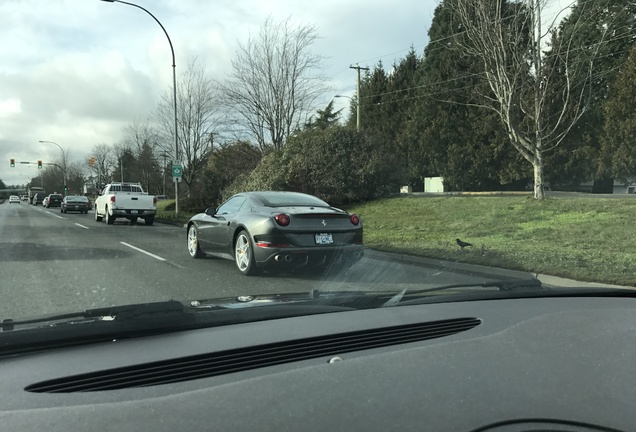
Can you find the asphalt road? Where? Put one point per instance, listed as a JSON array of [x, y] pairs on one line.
[[52, 263]]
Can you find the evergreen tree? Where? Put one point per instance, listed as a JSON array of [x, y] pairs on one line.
[[606, 30], [373, 87], [453, 139], [325, 118], [620, 123], [126, 168]]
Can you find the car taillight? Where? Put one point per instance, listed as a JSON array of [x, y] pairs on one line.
[[154, 200], [355, 219], [112, 199], [273, 245], [282, 219]]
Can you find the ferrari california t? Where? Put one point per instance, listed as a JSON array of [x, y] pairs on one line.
[[277, 229]]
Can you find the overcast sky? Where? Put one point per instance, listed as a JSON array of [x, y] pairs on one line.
[[76, 71]]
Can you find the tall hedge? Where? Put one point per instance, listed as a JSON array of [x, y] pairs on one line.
[[337, 164]]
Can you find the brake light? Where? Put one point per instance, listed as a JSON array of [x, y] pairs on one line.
[[355, 219], [112, 198], [282, 219], [154, 200], [273, 245]]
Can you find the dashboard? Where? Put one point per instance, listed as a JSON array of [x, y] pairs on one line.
[[558, 364]]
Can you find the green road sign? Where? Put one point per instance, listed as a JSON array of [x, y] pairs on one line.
[[177, 171]]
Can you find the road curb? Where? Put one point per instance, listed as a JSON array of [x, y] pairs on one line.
[[485, 271], [171, 222]]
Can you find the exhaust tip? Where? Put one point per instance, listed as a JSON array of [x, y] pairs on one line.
[[288, 258]]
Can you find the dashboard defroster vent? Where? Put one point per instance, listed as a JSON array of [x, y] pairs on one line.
[[242, 359]]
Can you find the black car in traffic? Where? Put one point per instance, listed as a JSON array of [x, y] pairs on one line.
[[54, 200], [277, 229], [75, 203]]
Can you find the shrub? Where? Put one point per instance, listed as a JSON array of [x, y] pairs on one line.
[[337, 164]]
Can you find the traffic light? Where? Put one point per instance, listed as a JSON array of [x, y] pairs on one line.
[[65, 188], [91, 161], [12, 163], [39, 164]]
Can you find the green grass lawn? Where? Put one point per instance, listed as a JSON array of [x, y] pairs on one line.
[[590, 239]]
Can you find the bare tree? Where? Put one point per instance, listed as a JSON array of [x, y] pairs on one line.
[[537, 107], [104, 163], [75, 177], [273, 88], [197, 119]]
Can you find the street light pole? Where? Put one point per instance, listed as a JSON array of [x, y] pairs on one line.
[[174, 89], [63, 161]]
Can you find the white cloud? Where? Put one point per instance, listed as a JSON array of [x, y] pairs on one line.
[[10, 106], [75, 71]]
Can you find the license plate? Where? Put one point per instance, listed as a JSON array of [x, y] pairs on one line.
[[133, 212], [323, 238]]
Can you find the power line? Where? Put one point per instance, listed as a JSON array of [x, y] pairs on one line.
[[435, 44]]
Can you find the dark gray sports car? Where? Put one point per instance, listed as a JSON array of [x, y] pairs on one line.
[[259, 229]]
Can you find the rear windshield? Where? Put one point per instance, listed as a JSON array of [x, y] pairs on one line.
[[281, 199], [76, 199], [56, 196], [125, 188]]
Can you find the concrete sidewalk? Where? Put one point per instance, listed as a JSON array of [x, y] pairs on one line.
[[485, 271]]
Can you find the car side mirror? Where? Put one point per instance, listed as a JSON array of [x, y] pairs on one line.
[[210, 211]]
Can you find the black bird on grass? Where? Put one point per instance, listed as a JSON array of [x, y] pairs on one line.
[[462, 244]]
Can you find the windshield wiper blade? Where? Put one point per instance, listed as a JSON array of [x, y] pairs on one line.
[[140, 311], [503, 285]]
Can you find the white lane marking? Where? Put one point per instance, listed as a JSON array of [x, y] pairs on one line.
[[81, 226], [60, 217], [143, 251]]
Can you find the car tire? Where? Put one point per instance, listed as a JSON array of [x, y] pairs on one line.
[[98, 218], [193, 242], [149, 220], [108, 217], [244, 254]]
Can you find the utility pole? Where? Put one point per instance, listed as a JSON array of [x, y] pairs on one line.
[[358, 68]]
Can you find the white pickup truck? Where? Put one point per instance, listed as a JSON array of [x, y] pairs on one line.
[[125, 200]]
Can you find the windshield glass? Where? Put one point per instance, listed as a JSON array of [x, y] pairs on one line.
[[254, 150], [273, 199]]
